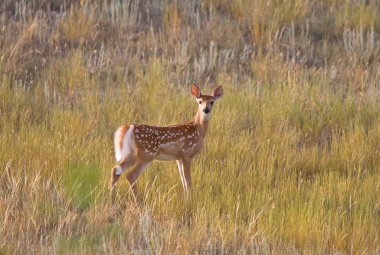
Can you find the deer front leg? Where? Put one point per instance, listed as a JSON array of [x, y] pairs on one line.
[[186, 173], [181, 173], [133, 175]]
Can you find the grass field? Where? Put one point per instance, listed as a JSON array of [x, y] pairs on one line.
[[292, 157]]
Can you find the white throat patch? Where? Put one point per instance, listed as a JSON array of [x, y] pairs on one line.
[[206, 115]]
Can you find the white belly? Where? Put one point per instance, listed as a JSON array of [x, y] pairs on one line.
[[165, 157]]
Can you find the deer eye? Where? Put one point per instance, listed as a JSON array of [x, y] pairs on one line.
[[212, 102], [200, 101]]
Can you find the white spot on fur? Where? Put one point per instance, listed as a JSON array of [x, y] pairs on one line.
[[118, 170]]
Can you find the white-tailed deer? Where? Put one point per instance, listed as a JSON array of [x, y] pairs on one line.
[[138, 145]]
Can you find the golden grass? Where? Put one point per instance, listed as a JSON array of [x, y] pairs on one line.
[[292, 158]]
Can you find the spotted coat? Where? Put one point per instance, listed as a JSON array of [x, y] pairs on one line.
[[155, 140]]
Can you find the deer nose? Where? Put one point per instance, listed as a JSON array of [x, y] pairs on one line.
[[206, 110]]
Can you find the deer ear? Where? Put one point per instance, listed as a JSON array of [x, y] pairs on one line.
[[195, 91], [218, 92]]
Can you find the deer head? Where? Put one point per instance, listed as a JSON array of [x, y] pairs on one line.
[[205, 102]]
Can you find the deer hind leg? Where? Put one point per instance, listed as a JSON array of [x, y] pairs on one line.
[[119, 169], [133, 175]]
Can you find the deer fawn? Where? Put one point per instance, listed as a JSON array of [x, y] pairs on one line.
[[138, 145]]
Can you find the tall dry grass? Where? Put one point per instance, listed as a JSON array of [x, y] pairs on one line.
[[292, 156]]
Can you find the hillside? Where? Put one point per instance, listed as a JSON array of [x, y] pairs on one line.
[[292, 157]]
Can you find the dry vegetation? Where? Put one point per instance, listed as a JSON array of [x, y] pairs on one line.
[[292, 163]]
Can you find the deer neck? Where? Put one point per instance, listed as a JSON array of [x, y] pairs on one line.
[[201, 123]]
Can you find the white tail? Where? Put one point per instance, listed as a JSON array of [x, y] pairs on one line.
[[123, 142], [139, 145]]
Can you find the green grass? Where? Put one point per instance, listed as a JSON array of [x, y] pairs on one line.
[[79, 184], [292, 157]]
